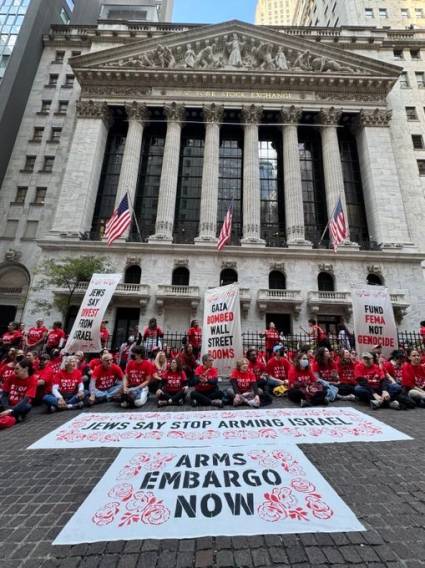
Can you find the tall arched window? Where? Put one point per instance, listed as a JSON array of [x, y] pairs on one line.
[[133, 274], [325, 282], [277, 280], [228, 276], [375, 280], [181, 276]]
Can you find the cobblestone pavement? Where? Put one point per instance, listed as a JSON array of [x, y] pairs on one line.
[[383, 483]]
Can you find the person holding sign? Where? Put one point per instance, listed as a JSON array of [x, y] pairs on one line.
[[413, 378], [106, 380], [372, 387], [138, 374], [67, 388], [304, 388], [244, 385], [173, 387], [206, 392]]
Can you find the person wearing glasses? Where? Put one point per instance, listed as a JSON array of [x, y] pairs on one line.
[[106, 380], [205, 382]]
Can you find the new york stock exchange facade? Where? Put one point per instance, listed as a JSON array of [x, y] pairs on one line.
[[188, 120]]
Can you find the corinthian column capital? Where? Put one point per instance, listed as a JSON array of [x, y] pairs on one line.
[[137, 111], [174, 112], [213, 112], [252, 114], [94, 109], [329, 116], [291, 115], [376, 117]]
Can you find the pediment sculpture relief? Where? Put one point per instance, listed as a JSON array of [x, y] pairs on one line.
[[233, 52]]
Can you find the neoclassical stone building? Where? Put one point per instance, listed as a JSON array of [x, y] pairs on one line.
[[188, 119]]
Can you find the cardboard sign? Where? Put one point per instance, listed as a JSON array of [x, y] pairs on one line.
[[85, 333], [192, 493], [374, 322], [221, 330], [225, 427]]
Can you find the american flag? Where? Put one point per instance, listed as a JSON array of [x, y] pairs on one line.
[[338, 228], [226, 230], [119, 222]]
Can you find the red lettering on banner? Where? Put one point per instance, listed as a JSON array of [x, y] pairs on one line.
[[220, 318], [371, 340]]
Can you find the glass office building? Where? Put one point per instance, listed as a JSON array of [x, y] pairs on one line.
[[12, 13]]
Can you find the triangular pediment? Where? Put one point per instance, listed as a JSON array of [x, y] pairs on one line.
[[237, 48]]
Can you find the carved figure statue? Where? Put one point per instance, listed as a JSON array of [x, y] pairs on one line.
[[205, 57], [280, 60], [264, 55], [303, 61], [235, 47], [189, 56]]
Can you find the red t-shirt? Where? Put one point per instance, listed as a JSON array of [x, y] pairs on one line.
[[346, 372], [94, 363], [46, 375], [54, 337], [324, 372], [278, 368], [152, 333], [138, 371], [194, 336], [55, 364], [413, 376], [18, 389], [301, 377], [211, 374], [393, 371], [104, 334], [35, 334], [272, 338], [6, 371], [258, 368], [173, 381], [106, 378], [68, 382], [11, 338], [372, 374], [244, 380], [422, 332]]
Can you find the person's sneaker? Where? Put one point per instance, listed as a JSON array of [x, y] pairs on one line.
[[217, 402], [52, 409], [394, 404], [304, 404], [124, 404], [162, 402], [70, 406], [181, 402], [79, 404], [350, 397], [375, 404], [194, 403]]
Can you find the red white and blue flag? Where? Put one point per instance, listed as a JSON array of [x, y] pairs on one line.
[[119, 222], [226, 230], [338, 228]]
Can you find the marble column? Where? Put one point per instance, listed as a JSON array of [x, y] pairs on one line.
[[293, 190], [251, 116], [75, 209], [332, 166], [384, 205], [169, 175], [213, 115]]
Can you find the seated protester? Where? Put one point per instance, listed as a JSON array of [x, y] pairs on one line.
[[7, 367], [18, 392], [34, 359], [173, 387], [372, 387], [161, 364], [125, 352], [206, 392], [393, 367], [55, 362], [244, 385], [345, 368], [194, 337], [138, 374], [257, 366], [67, 388], [413, 378], [304, 388], [106, 380], [83, 366], [55, 338], [12, 337], [278, 367], [96, 361], [36, 336], [188, 362], [45, 376], [324, 368]]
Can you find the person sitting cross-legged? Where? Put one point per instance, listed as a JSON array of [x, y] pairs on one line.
[[19, 390], [413, 378], [206, 391], [106, 380], [67, 388], [173, 386], [138, 374], [244, 385], [304, 388], [372, 387]]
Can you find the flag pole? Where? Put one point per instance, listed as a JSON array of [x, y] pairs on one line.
[[134, 216], [329, 219]]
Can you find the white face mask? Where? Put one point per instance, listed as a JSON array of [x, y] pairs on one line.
[[304, 363], [131, 339]]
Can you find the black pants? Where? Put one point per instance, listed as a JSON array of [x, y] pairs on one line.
[[175, 398], [297, 395], [21, 410], [205, 398], [345, 389]]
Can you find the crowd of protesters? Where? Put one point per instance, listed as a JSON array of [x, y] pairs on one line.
[[35, 370]]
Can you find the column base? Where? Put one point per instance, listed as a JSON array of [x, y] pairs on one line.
[[300, 243], [161, 239], [253, 242], [55, 235], [206, 241], [348, 245], [398, 246]]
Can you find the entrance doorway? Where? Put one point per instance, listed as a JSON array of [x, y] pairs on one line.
[[7, 314], [329, 324], [282, 322], [126, 321]]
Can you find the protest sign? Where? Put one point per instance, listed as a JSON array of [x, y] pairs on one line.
[[229, 427], [85, 333], [190, 493], [221, 330], [374, 322]]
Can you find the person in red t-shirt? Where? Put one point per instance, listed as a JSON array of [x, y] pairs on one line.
[[104, 334], [7, 367], [413, 378], [318, 334], [304, 388], [173, 387], [67, 388], [345, 368], [244, 385], [44, 376], [194, 337], [188, 362], [206, 391], [152, 337], [11, 338], [106, 380], [18, 392], [422, 331], [372, 387], [272, 338], [278, 367], [138, 375], [55, 338], [325, 370], [36, 336]]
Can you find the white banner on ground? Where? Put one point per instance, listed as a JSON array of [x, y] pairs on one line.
[[216, 491], [224, 427], [221, 330], [374, 322], [85, 333]]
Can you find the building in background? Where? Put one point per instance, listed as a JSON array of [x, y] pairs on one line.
[[399, 14], [274, 12], [129, 10], [22, 25]]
